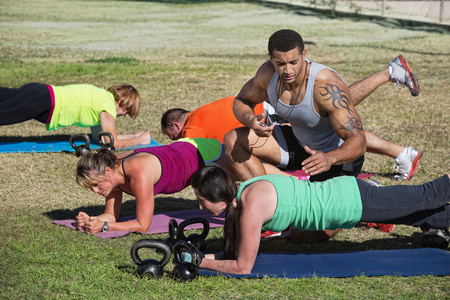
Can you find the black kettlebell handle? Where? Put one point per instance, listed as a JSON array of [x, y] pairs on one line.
[[183, 245], [78, 137], [173, 229], [150, 244], [185, 223], [82, 149], [110, 145]]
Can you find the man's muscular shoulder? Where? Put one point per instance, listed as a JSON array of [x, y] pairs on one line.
[[328, 76], [264, 74], [330, 92]]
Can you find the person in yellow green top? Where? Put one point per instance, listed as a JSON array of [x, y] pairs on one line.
[[83, 105]]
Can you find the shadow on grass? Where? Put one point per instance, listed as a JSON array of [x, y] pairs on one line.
[[15, 139], [188, 1], [390, 242], [383, 48], [380, 174], [128, 208]]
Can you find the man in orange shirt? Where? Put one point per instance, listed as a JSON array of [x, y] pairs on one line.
[[210, 121]]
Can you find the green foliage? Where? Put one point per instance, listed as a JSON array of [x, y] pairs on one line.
[[184, 54], [110, 60], [327, 3]]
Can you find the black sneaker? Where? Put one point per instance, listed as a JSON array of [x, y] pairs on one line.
[[435, 238]]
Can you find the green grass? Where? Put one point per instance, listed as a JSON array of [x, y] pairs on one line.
[[184, 54]]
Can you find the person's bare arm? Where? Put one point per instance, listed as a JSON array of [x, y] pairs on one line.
[[252, 93], [141, 185], [258, 207], [93, 224], [108, 124], [95, 130], [142, 172], [332, 98]]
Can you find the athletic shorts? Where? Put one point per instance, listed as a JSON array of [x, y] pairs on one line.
[[210, 149], [293, 154]]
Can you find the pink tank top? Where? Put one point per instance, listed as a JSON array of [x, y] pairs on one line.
[[179, 161]]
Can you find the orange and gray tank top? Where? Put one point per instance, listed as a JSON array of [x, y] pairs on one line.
[[308, 126]]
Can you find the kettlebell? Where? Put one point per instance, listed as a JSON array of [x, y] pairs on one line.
[[184, 271], [173, 234], [82, 149], [198, 240], [151, 268], [103, 145]]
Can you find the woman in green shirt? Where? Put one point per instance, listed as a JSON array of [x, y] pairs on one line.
[[83, 105], [277, 202]]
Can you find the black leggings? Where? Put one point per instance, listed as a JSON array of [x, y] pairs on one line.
[[422, 206], [31, 101]]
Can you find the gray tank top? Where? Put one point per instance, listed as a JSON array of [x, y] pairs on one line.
[[308, 126]]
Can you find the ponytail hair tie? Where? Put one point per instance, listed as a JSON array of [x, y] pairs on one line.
[[95, 152]]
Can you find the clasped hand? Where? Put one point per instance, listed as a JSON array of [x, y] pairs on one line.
[[90, 224]]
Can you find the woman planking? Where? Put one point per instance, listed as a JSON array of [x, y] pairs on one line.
[[83, 105], [274, 202], [143, 173]]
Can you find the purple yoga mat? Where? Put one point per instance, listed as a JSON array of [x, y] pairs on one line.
[[160, 222]]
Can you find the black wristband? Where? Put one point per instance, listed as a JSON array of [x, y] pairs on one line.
[[105, 227]]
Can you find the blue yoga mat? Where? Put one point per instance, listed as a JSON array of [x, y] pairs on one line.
[[403, 262], [52, 146]]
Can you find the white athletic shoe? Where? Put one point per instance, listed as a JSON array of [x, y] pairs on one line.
[[401, 74], [407, 163]]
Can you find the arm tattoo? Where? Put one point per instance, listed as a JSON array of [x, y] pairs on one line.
[[353, 124], [338, 97]]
